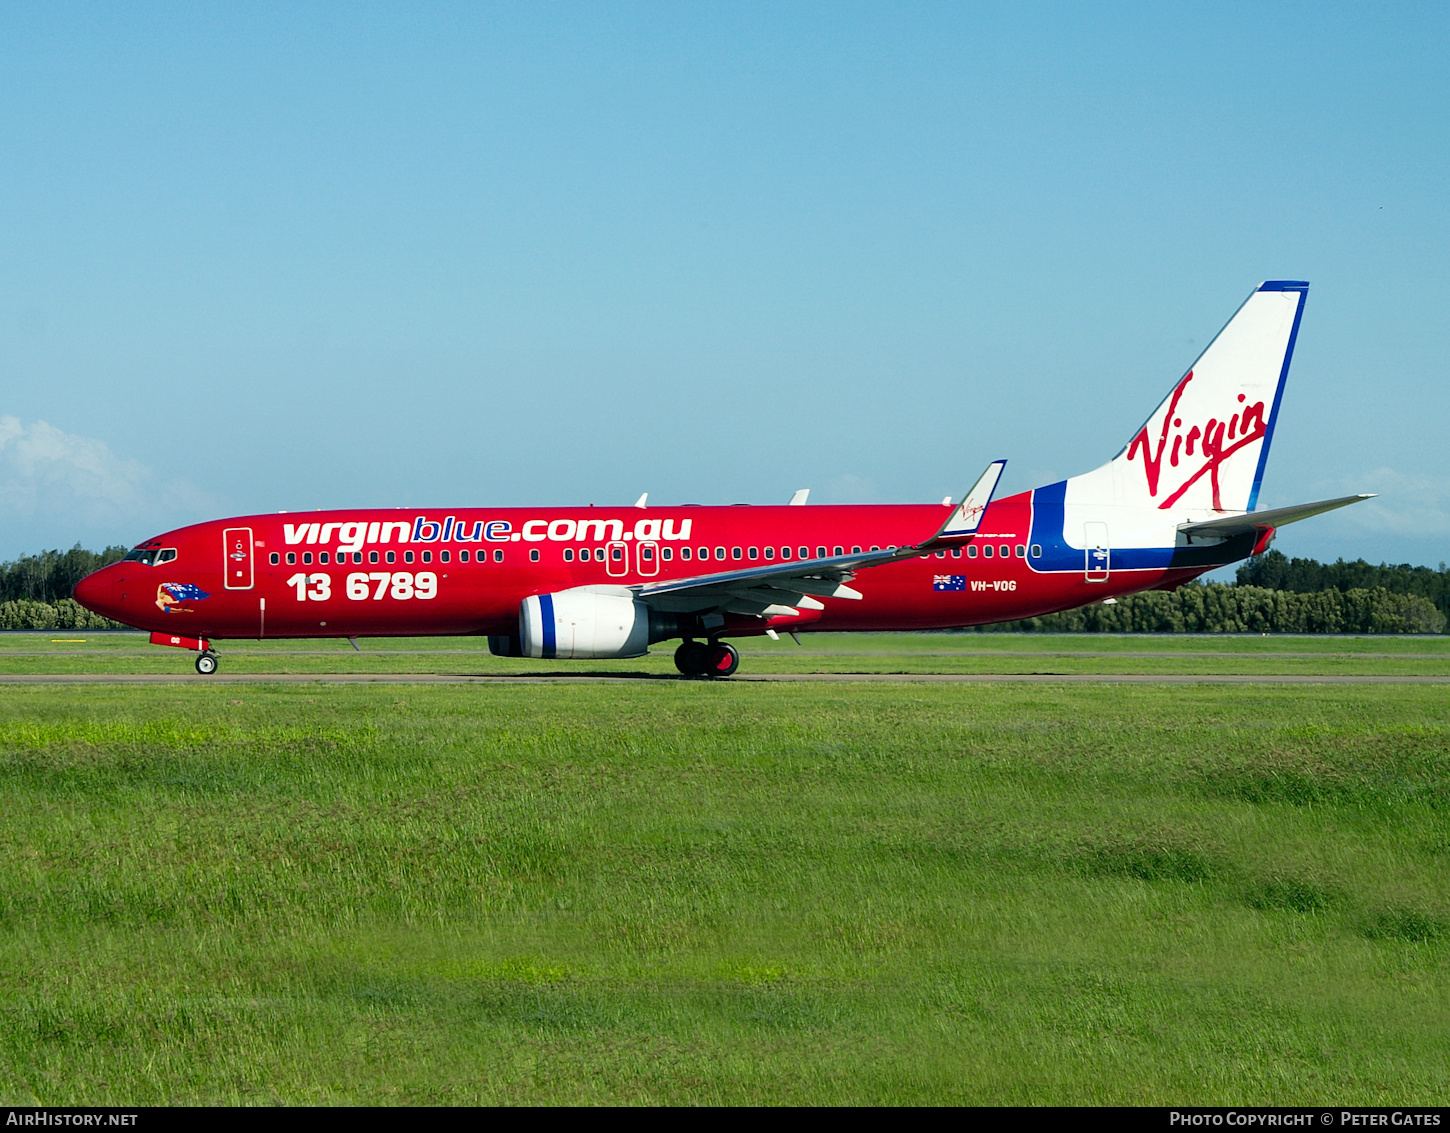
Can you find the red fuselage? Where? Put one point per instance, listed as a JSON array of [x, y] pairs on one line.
[[375, 573]]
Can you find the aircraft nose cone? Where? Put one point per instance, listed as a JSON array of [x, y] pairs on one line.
[[93, 591]]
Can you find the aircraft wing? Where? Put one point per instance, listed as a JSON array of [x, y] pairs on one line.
[[787, 588], [1249, 521]]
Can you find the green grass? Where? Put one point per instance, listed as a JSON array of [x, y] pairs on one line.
[[82, 652], [698, 892]]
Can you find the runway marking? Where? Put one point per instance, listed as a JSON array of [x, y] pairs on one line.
[[604, 678]]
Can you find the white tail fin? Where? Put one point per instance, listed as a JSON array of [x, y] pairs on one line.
[[1205, 447]]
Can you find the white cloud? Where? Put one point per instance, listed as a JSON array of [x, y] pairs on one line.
[[850, 489], [53, 480], [1408, 503]]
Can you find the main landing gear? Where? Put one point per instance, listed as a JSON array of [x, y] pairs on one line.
[[206, 663], [707, 659]]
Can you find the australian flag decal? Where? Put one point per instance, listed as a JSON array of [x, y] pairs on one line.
[[948, 582]]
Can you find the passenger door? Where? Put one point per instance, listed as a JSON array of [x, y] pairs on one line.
[[1097, 560], [237, 558]]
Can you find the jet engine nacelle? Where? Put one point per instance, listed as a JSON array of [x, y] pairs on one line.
[[590, 621]]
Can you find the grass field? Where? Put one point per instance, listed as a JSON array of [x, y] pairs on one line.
[[126, 651], [675, 891]]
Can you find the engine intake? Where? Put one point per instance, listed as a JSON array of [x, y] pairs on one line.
[[590, 621]]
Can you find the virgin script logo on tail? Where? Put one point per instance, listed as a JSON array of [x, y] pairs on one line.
[[1243, 428]]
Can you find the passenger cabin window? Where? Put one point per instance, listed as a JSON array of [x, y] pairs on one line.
[[720, 554], [291, 558], [685, 554], [753, 552], [647, 553], [322, 557], [392, 556], [462, 557], [785, 552], [427, 556], [971, 550], [407, 556], [275, 559], [734, 552], [373, 556], [1005, 551], [615, 553], [1021, 551], [568, 554], [667, 553], [498, 555], [956, 552], [820, 553], [443, 556], [986, 550], [1037, 550], [306, 558], [855, 550], [840, 550], [769, 553], [533, 554]]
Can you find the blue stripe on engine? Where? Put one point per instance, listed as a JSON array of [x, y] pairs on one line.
[[546, 615]]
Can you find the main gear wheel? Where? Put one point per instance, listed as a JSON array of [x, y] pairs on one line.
[[722, 659], [691, 658]]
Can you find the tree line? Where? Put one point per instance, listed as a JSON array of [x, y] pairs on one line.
[[51, 575], [1272, 594], [1276, 571], [1218, 607], [35, 590]]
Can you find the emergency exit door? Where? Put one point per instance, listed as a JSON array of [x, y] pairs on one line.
[[237, 558]]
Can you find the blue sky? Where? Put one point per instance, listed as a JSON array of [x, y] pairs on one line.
[[260, 257]]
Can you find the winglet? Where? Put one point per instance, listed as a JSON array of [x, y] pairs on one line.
[[800, 497], [641, 501], [967, 517]]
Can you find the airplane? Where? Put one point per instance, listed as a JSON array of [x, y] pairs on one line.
[[582, 583]]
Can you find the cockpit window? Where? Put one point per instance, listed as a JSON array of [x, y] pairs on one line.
[[151, 556]]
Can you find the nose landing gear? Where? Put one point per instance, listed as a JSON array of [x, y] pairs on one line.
[[699, 659], [206, 663]]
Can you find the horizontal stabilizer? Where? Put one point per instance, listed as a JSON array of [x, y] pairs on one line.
[[1232, 525]]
